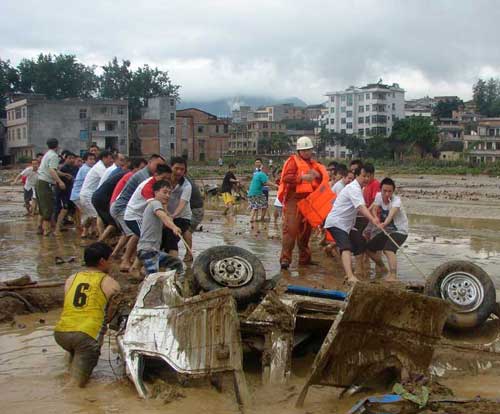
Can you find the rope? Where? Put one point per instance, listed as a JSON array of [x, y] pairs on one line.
[[406, 255]]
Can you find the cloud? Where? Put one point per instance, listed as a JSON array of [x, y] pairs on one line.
[[216, 48]]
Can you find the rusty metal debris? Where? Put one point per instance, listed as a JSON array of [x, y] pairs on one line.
[[380, 328]]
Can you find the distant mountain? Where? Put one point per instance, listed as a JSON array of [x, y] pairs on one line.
[[223, 107]]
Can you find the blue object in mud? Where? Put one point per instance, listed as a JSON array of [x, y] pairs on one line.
[[318, 293], [359, 407]]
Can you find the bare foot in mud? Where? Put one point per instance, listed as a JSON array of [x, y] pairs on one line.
[[391, 277]]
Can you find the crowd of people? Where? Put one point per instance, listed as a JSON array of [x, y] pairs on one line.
[[359, 215], [153, 205], [104, 193]]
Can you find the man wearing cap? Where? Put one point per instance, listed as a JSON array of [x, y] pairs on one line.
[[300, 177]]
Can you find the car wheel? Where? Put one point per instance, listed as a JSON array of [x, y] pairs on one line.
[[469, 290], [232, 267]]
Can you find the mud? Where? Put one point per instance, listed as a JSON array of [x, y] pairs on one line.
[[33, 371]]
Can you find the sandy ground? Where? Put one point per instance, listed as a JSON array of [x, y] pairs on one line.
[[33, 369]]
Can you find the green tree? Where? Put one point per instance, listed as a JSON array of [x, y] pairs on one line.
[[354, 144], [479, 95], [57, 76], [326, 138], [9, 82], [486, 96], [120, 81], [444, 108], [414, 134], [378, 147]]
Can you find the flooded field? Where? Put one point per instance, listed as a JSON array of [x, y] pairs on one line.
[[33, 368]]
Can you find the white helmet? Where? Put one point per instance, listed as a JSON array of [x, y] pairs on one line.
[[304, 143]]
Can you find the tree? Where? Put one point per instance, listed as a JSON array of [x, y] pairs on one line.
[[120, 81], [414, 133], [479, 95], [9, 82], [378, 147], [444, 108], [356, 145], [486, 96], [275, 144], [57, 76], [326, 138]]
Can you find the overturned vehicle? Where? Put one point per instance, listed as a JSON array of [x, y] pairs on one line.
[[358, 336]]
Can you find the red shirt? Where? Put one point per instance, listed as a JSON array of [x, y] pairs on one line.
[[370, 191], [119, 187]]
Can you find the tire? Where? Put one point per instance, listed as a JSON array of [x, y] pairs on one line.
[[475, 301], [212, 271]]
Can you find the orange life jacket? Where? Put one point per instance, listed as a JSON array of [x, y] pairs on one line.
[[317, 205], [302, 168]]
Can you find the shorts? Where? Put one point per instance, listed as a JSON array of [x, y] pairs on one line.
[[84, 353], [265, 191], [102, 209], [227, 198], [152, 260], [197, 218], [28, 195], [45, 193], [257, 202], [361, 223], [381, 242], [119, 219], [63, 200], [134, 226], [87, 210], [169, 240], [354, 241]]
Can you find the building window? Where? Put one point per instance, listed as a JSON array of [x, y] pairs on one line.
[[332, 121], [342, 121], [349, 125], [24, 132], [172, 116], [103, 109], [367, 120], [394, 119], [367, 108], [394, 94], [172, 101], [172, 130], [83, 114], [367, 131], [342, 98], [18, 113], [332, 98], [361, 120], [361, 132], [349, 100], [342, 109], [226, 128], [84, 135], [361, 108], [216, 129], [367, 96], [18, 133], [200, 129], [24, 112], [332, 110], [119, 110], [361, 97], [349, 114], [489, 145]]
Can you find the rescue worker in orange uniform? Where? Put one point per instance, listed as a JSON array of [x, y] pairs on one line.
[[300, 177]]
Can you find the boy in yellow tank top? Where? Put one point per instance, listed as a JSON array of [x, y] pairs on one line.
[[85, 311]]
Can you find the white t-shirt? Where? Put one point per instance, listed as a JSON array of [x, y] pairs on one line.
[[139, 200], [107, 173], [49, 161], [92, 180], [399, 221], [31, 178], [345, 208], [338, 187]]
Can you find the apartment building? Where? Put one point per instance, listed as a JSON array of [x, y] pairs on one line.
[[244, 137], [162, 109], [366, 111], [485, 145], [76, 123], [201, 136]]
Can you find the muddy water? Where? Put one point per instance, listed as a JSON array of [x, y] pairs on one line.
[[33, 369]]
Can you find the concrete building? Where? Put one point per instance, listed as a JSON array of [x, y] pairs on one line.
[[313, 112], [241, 115], [485, 145], [3, 138], [449, 129], [201, 136], [244, 138], [273, 113], [366, 111], [148, 132], [76, 123], [163, 110]]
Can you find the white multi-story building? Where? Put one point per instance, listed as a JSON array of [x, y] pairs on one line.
[[366, 111]]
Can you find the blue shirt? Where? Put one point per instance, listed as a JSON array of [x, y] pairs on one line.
[[78, 182], [257, 184]]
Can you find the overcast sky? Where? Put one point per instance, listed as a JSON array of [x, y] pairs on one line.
[[219, 48]]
